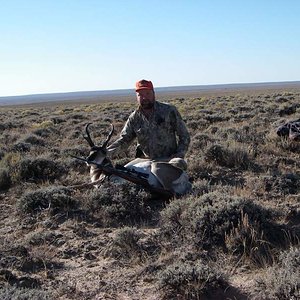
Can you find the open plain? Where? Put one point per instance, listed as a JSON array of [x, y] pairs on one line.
[[235, 236]]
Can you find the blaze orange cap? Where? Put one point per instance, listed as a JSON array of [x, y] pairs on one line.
[[143, 85]]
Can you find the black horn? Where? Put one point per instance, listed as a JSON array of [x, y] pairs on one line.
[[109, 136], [87, 135]]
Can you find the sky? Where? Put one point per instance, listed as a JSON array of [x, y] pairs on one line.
[[51, 46]]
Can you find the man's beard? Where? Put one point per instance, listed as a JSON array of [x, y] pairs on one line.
[[147, 105]]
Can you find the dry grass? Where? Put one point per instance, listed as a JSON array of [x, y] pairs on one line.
[[240, 220]]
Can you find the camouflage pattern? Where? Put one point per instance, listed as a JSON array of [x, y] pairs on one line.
[[163, 135]]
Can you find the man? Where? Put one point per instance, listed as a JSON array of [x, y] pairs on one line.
[[158, 127]]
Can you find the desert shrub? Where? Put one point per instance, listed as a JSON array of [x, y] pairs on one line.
[[121, 204], [200, 141], [5, 180], [21, 147], [205, 220], [77, 116], [45, 132], [75, 165], [34, 140], [248, 242], [2, 153], [40, 169], [57, 120], [231, 158], [42, 238], [34, 169], [135, 244], [198, 168], [11, 163], [243, 134], [7, 125], [125, 245], [42, 132], [16, 293], [76, 150], [287, 110], [55, 199], [200, 187], [286, 144], [186, 280], [44, 124], [282, 184], [10, 160], [282, 282], [216, 118]]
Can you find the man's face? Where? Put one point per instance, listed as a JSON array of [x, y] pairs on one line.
[[145, 98]]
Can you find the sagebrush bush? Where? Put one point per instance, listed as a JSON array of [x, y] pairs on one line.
[[54, 198], [15, 293], [11, 163], [122, 204], [125, 245], [282, 281], [233, 157], [40, 169], [2, 153], [282, 184], [21, 147], [198, 168], [43, 124], [5, 180], [205, 220], [247, 241], [34, 140], [190, 280], [47, 132]]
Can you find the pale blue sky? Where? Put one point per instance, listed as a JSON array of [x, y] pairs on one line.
[[49, 46]]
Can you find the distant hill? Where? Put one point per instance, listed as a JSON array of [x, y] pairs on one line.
[[107, 95]]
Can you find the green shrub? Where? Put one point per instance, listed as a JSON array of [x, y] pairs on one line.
[[46, 132], [34, 140], [43, 125], [282, 281], [122, 204], [282, 184], [2, 153], [54, 198], [21, 147], [125, 244], [11, 162], [187, 280], [205, 220], [5, 180], [248, 241], [15, 293], [234, 157], [40, 169]]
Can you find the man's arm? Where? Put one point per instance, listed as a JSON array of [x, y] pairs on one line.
[[122, 143], [183, 135]]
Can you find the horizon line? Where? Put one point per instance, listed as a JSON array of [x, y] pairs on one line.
[[156, 88]]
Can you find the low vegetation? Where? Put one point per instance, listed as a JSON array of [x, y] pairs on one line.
[[234, 236]]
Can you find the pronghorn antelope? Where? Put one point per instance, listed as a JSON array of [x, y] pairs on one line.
[[160, 174]]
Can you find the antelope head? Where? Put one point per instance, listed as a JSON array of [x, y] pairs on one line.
[[97, 153]]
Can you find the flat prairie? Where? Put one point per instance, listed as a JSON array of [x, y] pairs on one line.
[[234, 236]]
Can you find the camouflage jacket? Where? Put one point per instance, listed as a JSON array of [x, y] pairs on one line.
[[163, 135]]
